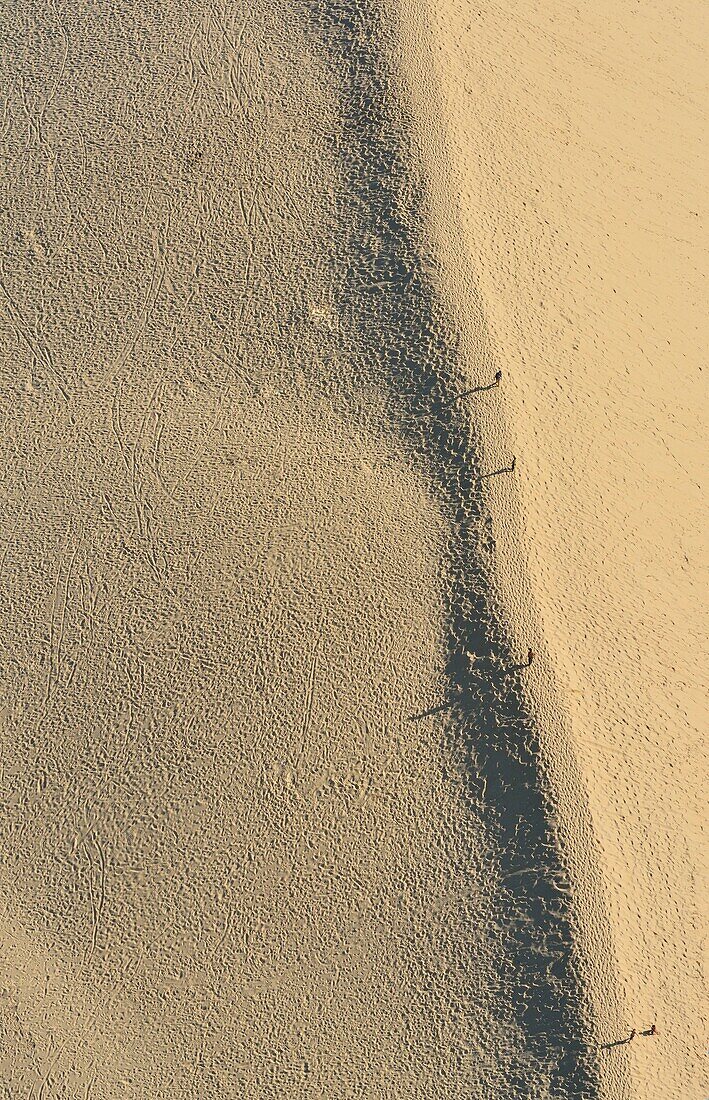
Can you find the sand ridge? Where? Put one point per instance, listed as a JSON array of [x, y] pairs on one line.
[[276, 810], [231, 573], [569, 195]]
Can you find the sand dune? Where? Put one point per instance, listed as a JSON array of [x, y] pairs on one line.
[[285, 813], [567, 199]]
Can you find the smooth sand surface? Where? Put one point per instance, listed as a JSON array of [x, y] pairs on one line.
[[283, 812], [570, 205]]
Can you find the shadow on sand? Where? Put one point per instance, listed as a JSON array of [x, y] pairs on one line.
[[405, 343], [616, 1043]]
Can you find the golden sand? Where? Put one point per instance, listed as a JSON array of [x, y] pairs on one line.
[[284, 811]]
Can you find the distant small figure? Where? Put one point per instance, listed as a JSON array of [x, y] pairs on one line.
[[652, 1030], [530, 657], [632, 1035], [498, 377], [514, 463]]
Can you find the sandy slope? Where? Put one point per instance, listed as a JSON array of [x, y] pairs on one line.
[[220, 831], [262, 725], [282, 812], [567, 206]]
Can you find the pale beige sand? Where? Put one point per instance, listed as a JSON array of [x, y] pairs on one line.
[[569, 195], [279, 818], [220, 831], [233, 864]]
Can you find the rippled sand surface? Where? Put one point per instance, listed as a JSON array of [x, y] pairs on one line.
[[284, 810]]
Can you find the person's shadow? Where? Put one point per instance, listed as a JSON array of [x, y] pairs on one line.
[[496, 473], [617, 1043], [476, 389], [516, 668], [479, 669], [433, 710]]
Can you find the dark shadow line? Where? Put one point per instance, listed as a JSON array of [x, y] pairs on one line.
[[434, 710], [615, 1043], [398, 337], [496, 473], [476, 389]]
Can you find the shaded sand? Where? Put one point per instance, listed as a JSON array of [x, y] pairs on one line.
[[568, 205], [273, 822], [283, 812]]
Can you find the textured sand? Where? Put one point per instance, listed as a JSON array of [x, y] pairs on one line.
[[570, 208], [282, 813]]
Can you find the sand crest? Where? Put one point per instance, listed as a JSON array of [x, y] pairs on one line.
[[567, 202], [285, 810]]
